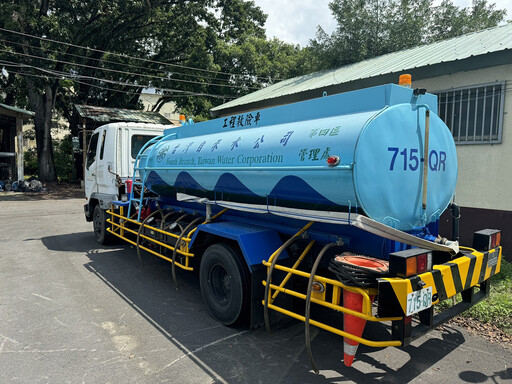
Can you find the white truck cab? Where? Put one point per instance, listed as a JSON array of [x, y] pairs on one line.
[[111, 155]]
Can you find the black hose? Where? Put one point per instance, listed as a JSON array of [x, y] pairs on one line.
[[174, 279], [308, 303], [162, 224], [269, 278], [142, 226]]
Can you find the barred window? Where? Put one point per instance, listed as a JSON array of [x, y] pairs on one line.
[[473, 114]]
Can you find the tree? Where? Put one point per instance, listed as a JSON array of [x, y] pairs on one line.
[[178, 37], [241, 60], [375, 27]]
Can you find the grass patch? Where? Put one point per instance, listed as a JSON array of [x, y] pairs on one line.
[[497, 309]]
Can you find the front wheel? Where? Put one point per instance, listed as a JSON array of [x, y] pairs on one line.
[[100, 226], [223, 284]]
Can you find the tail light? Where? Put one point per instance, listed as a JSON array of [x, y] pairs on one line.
[[410, 262], [486, 239]]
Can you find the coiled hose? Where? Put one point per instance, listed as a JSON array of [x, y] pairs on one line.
[[358, 270]]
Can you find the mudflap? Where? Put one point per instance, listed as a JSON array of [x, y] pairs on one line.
[[259, 274], [88, 216]]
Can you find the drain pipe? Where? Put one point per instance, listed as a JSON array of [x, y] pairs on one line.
[[425, 163], [455, 210]]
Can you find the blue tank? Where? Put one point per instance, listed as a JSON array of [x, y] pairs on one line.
[[278, 156]]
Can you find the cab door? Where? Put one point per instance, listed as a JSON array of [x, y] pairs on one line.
[[105, 162], [91, 185]]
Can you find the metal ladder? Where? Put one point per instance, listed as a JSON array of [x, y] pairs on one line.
[[140, 173]]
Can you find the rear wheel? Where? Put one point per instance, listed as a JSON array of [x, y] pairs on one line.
[[100, 226], [223, 283]]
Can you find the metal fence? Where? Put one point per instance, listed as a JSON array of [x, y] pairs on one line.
[[473, 114]]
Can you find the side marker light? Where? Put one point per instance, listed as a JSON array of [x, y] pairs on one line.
[[333, 161]]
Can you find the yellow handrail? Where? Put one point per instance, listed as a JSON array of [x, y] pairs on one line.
[[377, 344], [170, 247], [150, 251], [186, 239], [364, 292], [295, 265], [332, 306]]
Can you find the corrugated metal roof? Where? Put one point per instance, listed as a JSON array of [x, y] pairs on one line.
[[12, 111], [458, 48], [110, 115]]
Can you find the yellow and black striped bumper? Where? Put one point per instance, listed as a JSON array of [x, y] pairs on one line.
[[445, 279]]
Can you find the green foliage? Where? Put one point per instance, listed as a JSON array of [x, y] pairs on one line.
[[449, 20], [218, 36], [30, 164], [63, 155], [203, 53], [375, 27], [497, 309]]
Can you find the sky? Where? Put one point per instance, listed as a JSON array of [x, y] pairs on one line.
[[296, 21]]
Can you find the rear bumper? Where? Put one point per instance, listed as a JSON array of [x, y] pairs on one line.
[[468, 274]]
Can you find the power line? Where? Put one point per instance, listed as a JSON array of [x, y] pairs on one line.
[[60, 75], [111, 62], [124, 72], [130, 57], [191, 94]]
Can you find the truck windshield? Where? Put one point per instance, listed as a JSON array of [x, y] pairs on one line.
[[138, 142]]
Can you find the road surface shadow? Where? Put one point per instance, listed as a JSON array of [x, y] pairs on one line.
[[237, 354], [479, 377]]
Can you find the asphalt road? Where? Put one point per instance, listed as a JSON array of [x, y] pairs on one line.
[[74, 312]]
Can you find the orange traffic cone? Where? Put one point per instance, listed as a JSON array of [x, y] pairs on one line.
[[348, 267], [352, 324]]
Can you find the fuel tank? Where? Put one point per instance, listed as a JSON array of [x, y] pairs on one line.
[[358, 151]]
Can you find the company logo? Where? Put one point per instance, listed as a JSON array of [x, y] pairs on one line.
[[162, 152]]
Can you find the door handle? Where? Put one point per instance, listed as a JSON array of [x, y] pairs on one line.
[[93, 174]]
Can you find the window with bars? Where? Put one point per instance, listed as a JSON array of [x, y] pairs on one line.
[[473, 114]]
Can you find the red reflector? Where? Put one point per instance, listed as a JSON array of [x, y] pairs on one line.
[[498, 239], [333, 160], [422, 263], [407, 319]]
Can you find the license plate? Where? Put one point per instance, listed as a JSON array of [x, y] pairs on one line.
[[419, 300]]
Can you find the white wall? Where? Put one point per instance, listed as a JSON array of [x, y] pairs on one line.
[[168, 110], [485, 170]]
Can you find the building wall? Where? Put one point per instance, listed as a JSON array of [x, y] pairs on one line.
[[168, 110], [485, 170], [484, 182]]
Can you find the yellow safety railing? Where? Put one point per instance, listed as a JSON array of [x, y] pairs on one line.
[[335, 286], [119, 229]]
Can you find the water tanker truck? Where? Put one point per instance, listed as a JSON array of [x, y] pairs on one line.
[[326, 211]]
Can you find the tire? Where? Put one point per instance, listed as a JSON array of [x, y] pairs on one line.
[[224, 284], [99, 222]]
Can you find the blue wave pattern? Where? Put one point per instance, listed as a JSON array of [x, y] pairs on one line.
[[229, 188]]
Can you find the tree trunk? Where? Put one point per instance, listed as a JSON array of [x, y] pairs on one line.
[[43, 104]]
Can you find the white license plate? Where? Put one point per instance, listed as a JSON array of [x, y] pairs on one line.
[[419, 300]]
